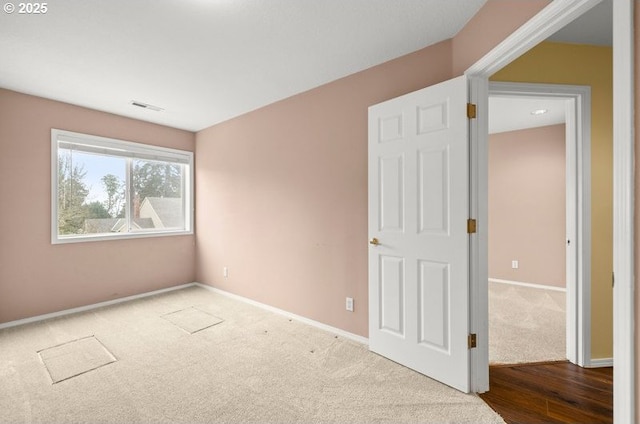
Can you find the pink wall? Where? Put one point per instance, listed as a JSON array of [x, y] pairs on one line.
[[37, 277], [282, 193], [527, 205], [494, 22]]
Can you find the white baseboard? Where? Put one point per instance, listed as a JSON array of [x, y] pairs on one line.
[[530, 285], [600, 363], [282, 312], [90, 307]]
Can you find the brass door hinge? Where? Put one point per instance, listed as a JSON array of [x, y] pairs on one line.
[[471, 226], [471, 111], [472, 341]]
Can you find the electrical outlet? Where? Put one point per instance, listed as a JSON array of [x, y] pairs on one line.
[[349, 304], [225, 272], [514, 264]]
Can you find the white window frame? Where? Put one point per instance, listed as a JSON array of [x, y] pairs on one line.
[[126, 149]]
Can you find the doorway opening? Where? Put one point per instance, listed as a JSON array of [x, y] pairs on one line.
[[539, 223], [555, 16]]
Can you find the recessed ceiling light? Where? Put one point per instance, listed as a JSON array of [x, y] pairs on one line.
[[539, 111], [145, 106]]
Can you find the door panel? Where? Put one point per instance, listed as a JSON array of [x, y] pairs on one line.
[[433, 190], [418, 208], [433, 286], [392, 295], [391, 193]]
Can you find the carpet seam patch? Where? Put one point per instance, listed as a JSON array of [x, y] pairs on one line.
[[112, 358], [164, 316]]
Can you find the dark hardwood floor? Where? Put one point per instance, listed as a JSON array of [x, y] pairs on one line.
[[556, 392]]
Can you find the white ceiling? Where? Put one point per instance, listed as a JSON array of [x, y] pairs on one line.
[[514, 113], [206, 61], [594, 27]]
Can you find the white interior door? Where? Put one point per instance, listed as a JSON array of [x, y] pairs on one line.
[[419, 245]]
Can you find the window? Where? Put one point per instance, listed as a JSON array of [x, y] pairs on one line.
[[108, 189]]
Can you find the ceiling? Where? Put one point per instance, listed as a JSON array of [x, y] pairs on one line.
[[594, 27], [508, 114], [514, 113], [206, 61]]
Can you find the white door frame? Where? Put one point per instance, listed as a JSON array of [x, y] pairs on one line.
[[578, 195], [553, 17], [624, 372]]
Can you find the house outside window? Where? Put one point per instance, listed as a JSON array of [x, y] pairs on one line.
[[105, 188]]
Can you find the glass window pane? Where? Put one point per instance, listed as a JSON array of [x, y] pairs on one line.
[[158, 195], [91, 193]]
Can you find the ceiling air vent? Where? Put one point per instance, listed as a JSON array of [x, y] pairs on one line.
[[146, 106]]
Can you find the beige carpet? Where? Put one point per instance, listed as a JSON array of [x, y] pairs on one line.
[[252, 366], [525, 324]]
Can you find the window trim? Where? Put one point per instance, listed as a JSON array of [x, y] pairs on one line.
[[138, 150]]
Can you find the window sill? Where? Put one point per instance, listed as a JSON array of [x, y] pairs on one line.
[[118, 236]]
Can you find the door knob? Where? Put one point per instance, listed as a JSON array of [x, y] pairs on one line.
[[374, 241]]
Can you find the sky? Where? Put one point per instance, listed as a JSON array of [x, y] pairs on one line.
[[97, 166]]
